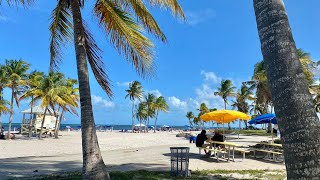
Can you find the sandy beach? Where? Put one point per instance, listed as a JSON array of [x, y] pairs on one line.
[[121, 151]]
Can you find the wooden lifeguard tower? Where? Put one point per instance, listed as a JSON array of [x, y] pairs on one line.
[[36, 116]]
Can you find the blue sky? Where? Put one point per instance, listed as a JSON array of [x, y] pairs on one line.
[[218, 41]]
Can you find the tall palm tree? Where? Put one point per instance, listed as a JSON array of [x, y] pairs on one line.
[[142, 113], [134, 92], [225, 90], [289, 89], [3, 84], [202, 110], [150, 101], [190, 117], [72, 98], [245, 93], [17, 81], [17, 2], [159, 105], [34, 81], [124, 30]]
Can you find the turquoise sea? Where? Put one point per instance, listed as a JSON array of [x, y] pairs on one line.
[[77, 126]]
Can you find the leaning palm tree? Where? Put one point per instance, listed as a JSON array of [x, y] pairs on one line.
[[159, 105], [134, 92], [190, 117], [71, 96], [123, 22], [17, 81], [296, 116], [225, 90], [3, 84]]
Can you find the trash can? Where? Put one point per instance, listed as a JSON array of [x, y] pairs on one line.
[[180, 161]]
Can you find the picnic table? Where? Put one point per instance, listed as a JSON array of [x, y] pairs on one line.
[[269, 148], [230, 147]]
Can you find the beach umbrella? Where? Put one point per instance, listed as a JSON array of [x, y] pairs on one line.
[[224, 116], [264, 119]]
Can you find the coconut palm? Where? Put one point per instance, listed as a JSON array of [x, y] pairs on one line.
[[134, 92], [124, 30], [17, 2], [34, 81], [142, 113], [245, 93], [72, 98], [17, 81], [190, 117], [289, 89], [150, 101], [202, 110], [225, 90], [159, 105], [3, 84]]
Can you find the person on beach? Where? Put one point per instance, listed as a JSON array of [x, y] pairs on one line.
[[201, 138], [218, 136], [2, 134]]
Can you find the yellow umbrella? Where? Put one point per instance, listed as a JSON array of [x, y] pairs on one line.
[[224, 116]]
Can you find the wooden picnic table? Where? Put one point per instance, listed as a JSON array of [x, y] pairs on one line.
[[227, 144], [272, 144], [269, 148]]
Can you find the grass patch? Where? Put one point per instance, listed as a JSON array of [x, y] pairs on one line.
[[152, 175]]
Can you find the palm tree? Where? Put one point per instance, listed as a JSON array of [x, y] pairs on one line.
[[289, 89], [225, 90], [142, 113], [150, 101], [72, 98], [134, 92], [190, 117], [202, 110], [3, 84], [34, 81], [125, 32], [159, 105], [17, 75], [245, 93], [18, 2]]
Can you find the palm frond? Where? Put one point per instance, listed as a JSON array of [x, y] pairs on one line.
[[16, 3], [96, 62], [125, 34], [146, 18], [173, 5], [61, 32]]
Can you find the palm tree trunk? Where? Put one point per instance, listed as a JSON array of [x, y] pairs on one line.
[[56, 133], [1, 99], [296, 116], [11, 113], [56, 124], [155, 123], [93, 165], [31, 123], [43, 120], [225, 107], [132, 116]]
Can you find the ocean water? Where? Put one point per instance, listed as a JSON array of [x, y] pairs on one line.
[[78, 126]]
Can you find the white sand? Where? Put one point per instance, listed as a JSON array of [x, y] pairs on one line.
[[120, 151], [70, 143]]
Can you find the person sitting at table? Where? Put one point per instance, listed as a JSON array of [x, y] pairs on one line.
[[218, 136], [201, 138]]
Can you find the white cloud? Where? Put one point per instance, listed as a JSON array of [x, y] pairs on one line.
[[126, 84], [177, 103], [156, 92], [99, 101], [210, 76], [197, 17]]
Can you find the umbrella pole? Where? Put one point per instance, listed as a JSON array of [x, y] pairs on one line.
[[239, 129]]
